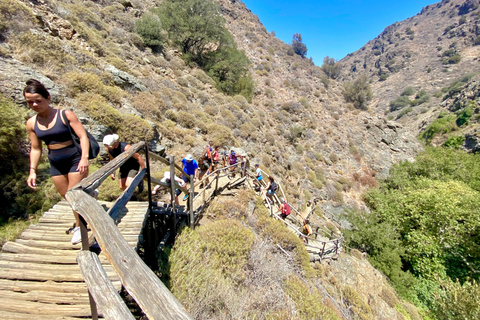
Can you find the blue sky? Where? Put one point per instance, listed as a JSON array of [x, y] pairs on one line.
[[332, 28]]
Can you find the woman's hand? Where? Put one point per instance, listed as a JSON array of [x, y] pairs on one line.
[[31, 180], [112, 176], [83, 166]]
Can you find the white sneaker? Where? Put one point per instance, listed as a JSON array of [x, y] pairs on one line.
[[77, 236]]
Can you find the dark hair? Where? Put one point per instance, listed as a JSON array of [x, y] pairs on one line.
[[271, 178], [35, 86], [307, 221]]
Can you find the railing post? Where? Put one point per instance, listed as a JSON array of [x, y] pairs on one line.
[[172, 186], [190, 202], [86, 246], [216, 183]]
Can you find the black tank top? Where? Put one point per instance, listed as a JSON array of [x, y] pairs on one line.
[[56, 134]]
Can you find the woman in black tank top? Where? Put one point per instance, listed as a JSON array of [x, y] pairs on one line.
[[68, 166]]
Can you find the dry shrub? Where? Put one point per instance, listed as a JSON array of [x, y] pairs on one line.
[[97, 107], [149, 105], [77, 83], [15, 17], [366, 178], [308, 300], [355, 304], [389, 296], [43, 51], [220, 135], [207, 268], [134, 129], [185, 119]]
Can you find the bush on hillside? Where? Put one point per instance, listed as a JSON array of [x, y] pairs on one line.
[[150, 29], [445, 123], [358, 92], [197, 28], [298, 46], [331, 68]]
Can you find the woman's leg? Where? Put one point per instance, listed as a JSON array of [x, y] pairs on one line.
[[73, 179]]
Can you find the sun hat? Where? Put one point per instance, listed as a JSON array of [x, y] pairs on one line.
[[189, 157], [110, 139]]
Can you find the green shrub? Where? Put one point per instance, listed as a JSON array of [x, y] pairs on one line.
[[400, 103], [358, 92], [443, 124], [78, 83], [150, 29], [454, 142], [457, 301], [464, 116], [408, 91], [331, 68]]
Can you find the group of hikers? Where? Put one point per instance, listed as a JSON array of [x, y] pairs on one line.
[[69, 162]]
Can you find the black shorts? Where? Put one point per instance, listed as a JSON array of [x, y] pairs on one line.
[[63, 161], [125, 173]]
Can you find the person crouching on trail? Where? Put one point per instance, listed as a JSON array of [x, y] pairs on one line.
[[166, 179], [130, 168], [284, 209]]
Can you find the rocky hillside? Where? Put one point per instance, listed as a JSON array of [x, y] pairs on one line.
[[298, 125], [427, 52]]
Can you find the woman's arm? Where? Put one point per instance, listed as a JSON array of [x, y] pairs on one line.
[[35, 153], [84, 143]]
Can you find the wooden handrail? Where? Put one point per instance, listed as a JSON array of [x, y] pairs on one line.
[[156, 301]]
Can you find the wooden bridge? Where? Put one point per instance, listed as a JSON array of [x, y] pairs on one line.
[[44, 276]]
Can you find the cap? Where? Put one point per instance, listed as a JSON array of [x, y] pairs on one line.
[[189, 157], [256, 164], [110, 139]]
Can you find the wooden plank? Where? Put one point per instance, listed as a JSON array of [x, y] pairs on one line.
[[44, 267], [38, 258], [58, 245], [37, 308], [48, 297], [6, 315], [61, 287], [15, 247], [102, 291], [156, 301], [40, 275]]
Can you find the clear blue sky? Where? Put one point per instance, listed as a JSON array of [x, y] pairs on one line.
[[332, 28]]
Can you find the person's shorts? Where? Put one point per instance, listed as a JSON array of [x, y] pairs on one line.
[[177, 192], [64, 161], [215, 162], [259, 178], [184, 178], [283, 216], [129, 173], [270, 192]]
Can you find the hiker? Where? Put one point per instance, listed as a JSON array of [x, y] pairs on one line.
[[202, 170], [130, 168], [271, 188], [166, 179], [215, 157], [232, 161], [67, 165], [258, 177], [224, 156], [189, 167], [284, 209], [307, 230], [207, 153]]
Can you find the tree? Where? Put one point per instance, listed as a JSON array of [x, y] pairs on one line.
[[297, 45], [196, 26], [358, 92], [150, 29], [331, 68]]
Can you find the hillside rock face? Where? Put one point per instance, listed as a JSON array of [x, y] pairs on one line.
[[427, 52]]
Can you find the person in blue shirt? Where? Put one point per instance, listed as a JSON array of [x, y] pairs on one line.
[[190, 167]]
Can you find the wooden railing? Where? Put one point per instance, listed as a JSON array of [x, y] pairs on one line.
[[336, 244], [151, 295]]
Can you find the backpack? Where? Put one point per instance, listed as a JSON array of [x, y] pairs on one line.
[[286, 209], [273, 186], [233, 157]]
